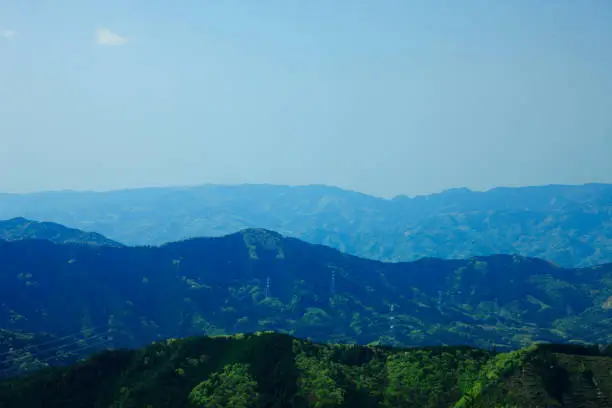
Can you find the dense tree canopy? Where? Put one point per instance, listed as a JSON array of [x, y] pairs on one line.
[[272, 370]]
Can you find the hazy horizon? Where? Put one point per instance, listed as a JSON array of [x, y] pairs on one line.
[[384, 98], [290, 186]]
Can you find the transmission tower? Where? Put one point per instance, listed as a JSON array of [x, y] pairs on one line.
[[177, 264], [267, 292], [392, 325]]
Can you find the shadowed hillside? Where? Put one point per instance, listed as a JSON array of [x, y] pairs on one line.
[[258, 280], [275, 370], [569, 225]]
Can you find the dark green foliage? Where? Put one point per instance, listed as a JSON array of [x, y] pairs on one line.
[[233, 387], [134, 295], [568, 225], [273, 370]]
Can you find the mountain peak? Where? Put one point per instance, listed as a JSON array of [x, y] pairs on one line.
[[20, 228], [260, 240], [261, 233], [18, 221]]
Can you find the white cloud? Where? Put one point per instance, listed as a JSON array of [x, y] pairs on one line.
[[8, 34], [104, 36]]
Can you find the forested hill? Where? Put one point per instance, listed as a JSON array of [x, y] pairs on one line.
[[569, 225], [21, 228], [259, 280], [273, 370]]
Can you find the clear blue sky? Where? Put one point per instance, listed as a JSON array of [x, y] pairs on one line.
[[384, 97]]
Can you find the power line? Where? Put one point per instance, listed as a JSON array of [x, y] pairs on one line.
[[267, 287], [45, 343], [53, 349], [44, 362]]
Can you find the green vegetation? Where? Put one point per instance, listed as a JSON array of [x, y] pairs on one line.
[[568, 225], [233, 387], [275, 370], [20, 228], [102, 296], [500, 330]]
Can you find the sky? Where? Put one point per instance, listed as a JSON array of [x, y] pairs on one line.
[[384, 97]]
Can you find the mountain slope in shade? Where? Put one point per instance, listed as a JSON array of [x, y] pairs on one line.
[[259, 280], [568, 225], [275, 370], [21, 228]]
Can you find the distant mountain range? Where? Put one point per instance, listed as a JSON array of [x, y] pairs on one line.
[[274, 370], [21, 228], [568, 225], [258, 280]]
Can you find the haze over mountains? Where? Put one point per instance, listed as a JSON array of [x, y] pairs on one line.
[[568, 225], [312, 296], [21, 228], [65, 293]]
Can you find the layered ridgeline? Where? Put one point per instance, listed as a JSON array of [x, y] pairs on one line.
[[275, 370], [96, 296], [21, 228], [569, 225]]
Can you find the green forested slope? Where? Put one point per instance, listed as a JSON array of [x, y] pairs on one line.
[[569, 225], [258, 280], [274, 370], [21, 228]]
